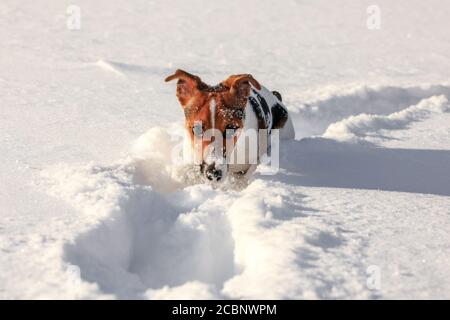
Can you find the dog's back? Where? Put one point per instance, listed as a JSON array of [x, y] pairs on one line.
[[271, 112]]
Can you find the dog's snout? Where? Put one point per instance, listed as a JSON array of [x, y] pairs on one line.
[[213, 174]]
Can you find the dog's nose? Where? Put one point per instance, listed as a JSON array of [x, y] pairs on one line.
[[213, 174]]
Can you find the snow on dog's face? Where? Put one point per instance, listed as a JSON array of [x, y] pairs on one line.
[[214, 117]]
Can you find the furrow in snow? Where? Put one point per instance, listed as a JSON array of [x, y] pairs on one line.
[[368, 126], [315, 110], [196, 241]]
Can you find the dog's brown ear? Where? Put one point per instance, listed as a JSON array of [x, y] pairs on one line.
[[188, 85], [240, 84]]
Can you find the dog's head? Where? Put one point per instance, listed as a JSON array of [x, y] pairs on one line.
[[214, 116]]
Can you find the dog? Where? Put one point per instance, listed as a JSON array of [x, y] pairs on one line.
[[217, 118]]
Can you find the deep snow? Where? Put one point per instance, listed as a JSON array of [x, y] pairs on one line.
[[90, 207]]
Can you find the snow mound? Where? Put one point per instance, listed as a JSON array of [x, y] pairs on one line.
[[202, 243], [140, 238], [314, 111], [363, 126], [157, 157]]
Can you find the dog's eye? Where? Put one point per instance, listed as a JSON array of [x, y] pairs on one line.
[[197, 130], [230, 130]]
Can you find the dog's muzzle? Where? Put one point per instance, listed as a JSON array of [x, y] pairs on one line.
[[211, 172]]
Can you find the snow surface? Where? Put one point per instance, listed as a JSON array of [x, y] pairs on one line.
[[92, 209]]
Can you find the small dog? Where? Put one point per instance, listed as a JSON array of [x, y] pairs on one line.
[[217, 117]]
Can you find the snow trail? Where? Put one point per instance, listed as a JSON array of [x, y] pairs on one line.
[[364, 126], [160, 234], [314, 111], [149, 244]]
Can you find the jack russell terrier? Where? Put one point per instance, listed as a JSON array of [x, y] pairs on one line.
[[218, 118]]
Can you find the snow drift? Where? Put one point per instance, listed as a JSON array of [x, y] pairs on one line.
[[366, 125], [159, 234]]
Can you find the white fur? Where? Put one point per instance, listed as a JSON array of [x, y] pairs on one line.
[[251, 123], [212, 110], [287, 132]]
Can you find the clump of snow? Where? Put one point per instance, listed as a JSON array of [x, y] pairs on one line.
[[158, 159]]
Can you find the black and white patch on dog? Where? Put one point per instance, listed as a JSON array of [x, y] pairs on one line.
[[269, 117]]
